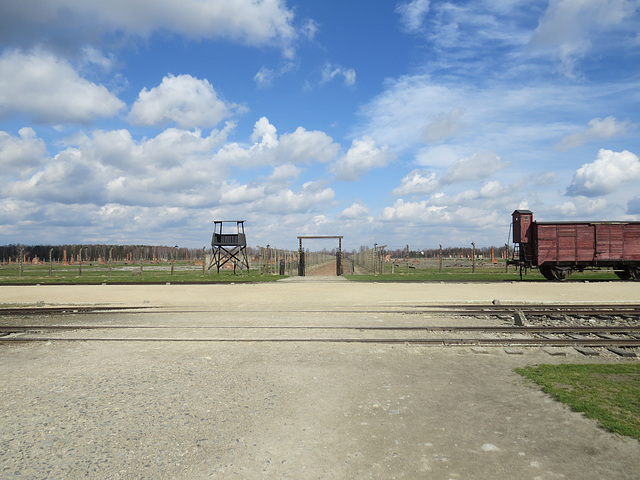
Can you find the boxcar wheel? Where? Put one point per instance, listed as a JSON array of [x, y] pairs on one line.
[[623, 274], [634, 272], [561, 273], [545, 270], [555, 273]]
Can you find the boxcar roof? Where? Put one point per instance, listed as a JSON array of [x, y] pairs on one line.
[[590, 222]]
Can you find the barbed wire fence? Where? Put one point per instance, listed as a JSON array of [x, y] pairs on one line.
[[369, 261]]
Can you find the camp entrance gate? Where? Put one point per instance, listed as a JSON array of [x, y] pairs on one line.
[[338, 255]]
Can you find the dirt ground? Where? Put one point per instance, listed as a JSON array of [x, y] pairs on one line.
[[300, 410]]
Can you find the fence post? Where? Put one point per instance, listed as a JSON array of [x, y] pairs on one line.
[[506, 258], [407, 258], [440, 267], [50, 263], [473, 258]]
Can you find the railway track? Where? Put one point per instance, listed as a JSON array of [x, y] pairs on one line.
[[593, 337], [625, 338], [460, 309]]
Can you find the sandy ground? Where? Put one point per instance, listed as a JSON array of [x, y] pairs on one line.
[[301, 410], [320, 292]]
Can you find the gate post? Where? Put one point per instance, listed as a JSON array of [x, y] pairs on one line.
[[301, 262], [339, 258]]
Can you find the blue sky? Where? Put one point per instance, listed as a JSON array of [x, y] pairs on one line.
[[419, 122]]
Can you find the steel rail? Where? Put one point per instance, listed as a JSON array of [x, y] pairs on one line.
[[474, 328], [422, 341], [465, 309], [67, 310]]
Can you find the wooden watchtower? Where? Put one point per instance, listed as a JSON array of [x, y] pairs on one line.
[[229, 247]]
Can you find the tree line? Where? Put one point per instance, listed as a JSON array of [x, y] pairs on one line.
[[447, 252], [94, 253]]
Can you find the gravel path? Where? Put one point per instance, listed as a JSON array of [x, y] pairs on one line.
[[173, 410]]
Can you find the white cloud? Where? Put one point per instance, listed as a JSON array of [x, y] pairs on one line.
[[248, 22], [416, 183], [284, 173], [477, 166], [231, 192], [265, 135], [400, 115], [311, 197], [598, 129], [178, 168], [185, 100], [581, 207], [438, 156], [49, 90], [568, 27], [361, 157], [264, 77], [93, 56], [493, 189], [357, 210], [412, 14], [331, 71], [174, 167], [606, 174], [443, 125], [469, 222], [19, 155], [69, 178], [301, 146]]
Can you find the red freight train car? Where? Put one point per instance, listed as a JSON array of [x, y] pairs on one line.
[[559, 248]]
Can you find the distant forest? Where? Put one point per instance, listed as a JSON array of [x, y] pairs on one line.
[[95, 253], [148, 253]]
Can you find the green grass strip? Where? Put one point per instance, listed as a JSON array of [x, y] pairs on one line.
[[607, 393]]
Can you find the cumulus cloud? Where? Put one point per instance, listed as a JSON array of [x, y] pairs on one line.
[[300, 146], [360, 158], [49, 90], [265, 135], [412, 14], [332, 71], [110, 166], [19, 155], [598, 129], [478, 166], [248, 22], [184, 100], [426, 213], [416, 183], [181, 168], [311, 197], [357, 210], [284, 173], [606, 174], [303, 146]]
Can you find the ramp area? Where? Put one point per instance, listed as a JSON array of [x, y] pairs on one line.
[[235, 409]]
